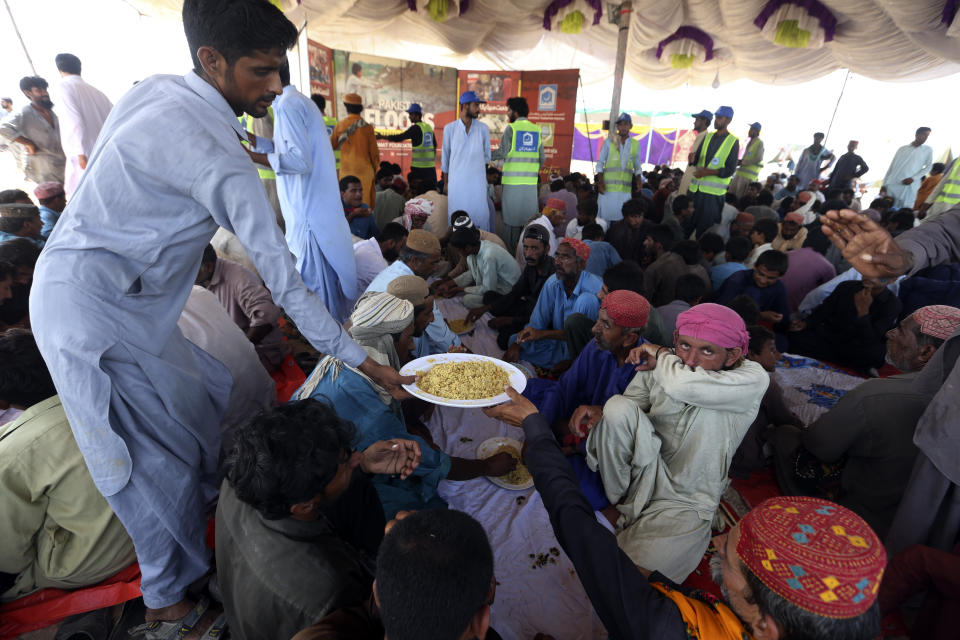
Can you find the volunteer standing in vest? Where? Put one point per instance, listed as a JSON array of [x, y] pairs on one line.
[[355, 139], [616, 166], [750, 163], [701, 123], [466, 152], [716, 162], [329, 122], [945, 195], [423, 163], [521, 149]]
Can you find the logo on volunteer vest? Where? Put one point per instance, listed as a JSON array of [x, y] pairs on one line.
[[329, 129], [528, 141], [427, 139], [547, 98]]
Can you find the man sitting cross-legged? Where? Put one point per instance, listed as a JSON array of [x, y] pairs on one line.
[[869, 432], [489, 269], [56, 529], [298, 524], [663, 448], [383, 324], [570, 290], [793, 567]]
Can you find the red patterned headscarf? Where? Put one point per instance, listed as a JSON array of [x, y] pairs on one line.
[[581, 248], [813, 553]]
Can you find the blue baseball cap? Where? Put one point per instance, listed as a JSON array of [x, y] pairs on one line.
[[706, 115], [756, 125], [414, 108], [470, 96], [624, 117], [724, 112]]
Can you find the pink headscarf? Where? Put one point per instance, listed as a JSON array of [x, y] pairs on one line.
[[714, 323]]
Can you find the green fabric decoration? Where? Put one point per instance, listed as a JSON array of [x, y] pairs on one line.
[[789, 34], [682, 60], [572, 22], [438, 10]]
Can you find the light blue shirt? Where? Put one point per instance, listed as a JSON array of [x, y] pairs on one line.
[[491, 269], [6, 235], [317, 230], [624, 156], [464, 159], [437, 337], [49, 217], [722, 271], [602, 257], [122, 260]]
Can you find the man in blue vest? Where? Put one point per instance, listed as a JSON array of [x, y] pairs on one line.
[[521, 149], [423, 164], [715, 162]]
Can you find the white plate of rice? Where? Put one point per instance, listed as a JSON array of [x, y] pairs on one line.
[[462, 379], [517, 480]]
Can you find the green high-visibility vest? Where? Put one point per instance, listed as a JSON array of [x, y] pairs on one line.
[[950, 193], [247, 122], [614, 178], [522, 165], [331, 123], [713, 185], [425, 153], [750, 171]]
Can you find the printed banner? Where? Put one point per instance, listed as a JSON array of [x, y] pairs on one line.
[[388, 87], [552, 96], [321, 72], [494, 87]]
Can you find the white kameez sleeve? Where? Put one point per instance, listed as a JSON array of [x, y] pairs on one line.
[[71, 122], [232, 193], [736, 390]]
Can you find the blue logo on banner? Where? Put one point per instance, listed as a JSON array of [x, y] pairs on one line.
[[547, 98], [428, 139], [528, 141]]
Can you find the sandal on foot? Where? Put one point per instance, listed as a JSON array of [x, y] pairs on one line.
[[217, 629], [171, 629]]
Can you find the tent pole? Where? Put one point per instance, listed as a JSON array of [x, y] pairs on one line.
[[836, 106], [586, 121], [22, 43], [624, 12], [649, 138]]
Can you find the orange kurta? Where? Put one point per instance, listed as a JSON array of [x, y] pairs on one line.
[[359, 156]]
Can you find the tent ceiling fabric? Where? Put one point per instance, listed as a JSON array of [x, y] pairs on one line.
[[881, 39]]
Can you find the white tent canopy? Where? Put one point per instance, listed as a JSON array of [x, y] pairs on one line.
[[881, 39]]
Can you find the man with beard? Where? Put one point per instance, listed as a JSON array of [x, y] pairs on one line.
[[911, 161], [716, 161], [701, 122], [572, 289], [617, 165], [36, 130], [512, 311], [521, 150], [792, 567], [375, 254], [627, 235], [792, 233], [466, 152], [110, 285], [750, 164]]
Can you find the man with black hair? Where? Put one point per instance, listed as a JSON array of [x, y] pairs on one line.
[[7, 105], [909, 164], [748, 171], [465, 155], [512, 311], [763, 208], [749, 198], [716, 162], [389, 204], [108, 290], [359, 214], [84, 109], [761, 236], [586, 214], [375, 254], [489, 269], [627, 235], [305, 173], [669, 262], [566, 190], [690, 291], [681, 208], [423, 146], [21, 221], [22, 254], [36, 130], [813, 161], [602, 254], [737, 250], [711, 250], [57, 530], [789, 191], [762, 283], [849, 167], [298, 521], [356, 141], [521, 150]]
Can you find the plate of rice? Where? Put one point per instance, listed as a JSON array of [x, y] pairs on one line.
[[517, 480], [462, 379], [461, 327]]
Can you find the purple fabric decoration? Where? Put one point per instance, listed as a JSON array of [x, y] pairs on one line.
[[412, 5], [554, 8], [692, 33], [950, 11], [827, 20]]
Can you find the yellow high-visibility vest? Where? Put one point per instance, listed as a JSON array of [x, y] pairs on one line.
[[950, 193], [522, 165], [425, 153], [247, 122], [615, 178], [713, 185], [331, 123]]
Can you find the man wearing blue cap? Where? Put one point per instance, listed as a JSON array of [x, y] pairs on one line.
[[750, 163], [617, 164], [701, 123], [466, 152], [423, 165], [716, 161], [521, 149]]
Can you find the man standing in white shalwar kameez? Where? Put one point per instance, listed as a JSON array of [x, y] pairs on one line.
[[908, 166], [144, 403], [317, 231], [466, 152], [83, 110], [663, 448]]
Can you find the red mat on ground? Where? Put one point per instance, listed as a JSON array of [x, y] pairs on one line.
[[288, 378], [49, 606]]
